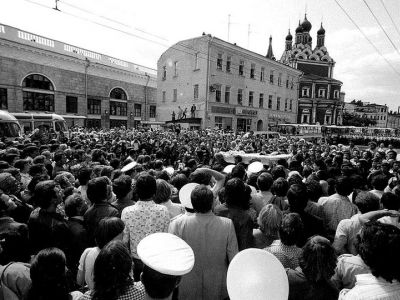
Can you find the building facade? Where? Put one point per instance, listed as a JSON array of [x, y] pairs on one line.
[[219, 84], [320, 97], [393, 120], [39, 74], [371, 111]]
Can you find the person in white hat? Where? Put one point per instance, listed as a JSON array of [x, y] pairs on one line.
[[214, 243], [166, 259]]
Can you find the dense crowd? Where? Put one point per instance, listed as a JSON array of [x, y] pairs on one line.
[[150, 214]]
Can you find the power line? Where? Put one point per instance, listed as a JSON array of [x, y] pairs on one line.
[[391, 19], [380, 25], [366, 37], [196, 51]]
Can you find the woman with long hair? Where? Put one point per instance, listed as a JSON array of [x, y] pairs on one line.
[[112, 275], [49, 277]]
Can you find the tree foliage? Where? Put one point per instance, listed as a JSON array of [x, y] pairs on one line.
[[350, 119]]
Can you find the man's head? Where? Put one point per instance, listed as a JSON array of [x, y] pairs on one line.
[[379, 245], [297, 197], [366, 202], [291, 229], [202, 199], [98, 190], [122, 186], [343, 186], [264, 181], [47, 193], [379, 182], [146, 186]]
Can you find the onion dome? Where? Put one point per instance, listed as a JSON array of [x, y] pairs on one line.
[[306, 24], [299, 29], [289, 37], [321, 31]]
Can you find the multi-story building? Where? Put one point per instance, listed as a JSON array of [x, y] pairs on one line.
[[320, 98], [225, 85], [39, 74], [394, 120], [371, 111]]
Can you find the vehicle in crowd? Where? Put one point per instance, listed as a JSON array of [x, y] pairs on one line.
[[10, 129], [30, 121], [305, 131], [264, 134], [336, 131]]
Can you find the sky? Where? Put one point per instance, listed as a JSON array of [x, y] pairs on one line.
[[140, 31]]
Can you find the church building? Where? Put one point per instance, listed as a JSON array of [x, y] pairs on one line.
[[320, 97]]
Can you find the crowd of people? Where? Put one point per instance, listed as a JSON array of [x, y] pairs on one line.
[[150, 214]]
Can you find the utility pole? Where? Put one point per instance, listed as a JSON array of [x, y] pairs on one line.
[[248, 36], [56, 8], [229, 25]]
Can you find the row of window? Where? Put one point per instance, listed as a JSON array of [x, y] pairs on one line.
[[289, 83], [288, 103], [254, 74], [306, 92]]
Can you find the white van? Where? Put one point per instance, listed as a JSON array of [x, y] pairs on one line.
[[9, 126]]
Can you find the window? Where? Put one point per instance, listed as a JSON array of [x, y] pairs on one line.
[[336, 94], [291, 84], [228, 64], [40, 95], [175, 95], [93, 123], [71, 104], [305, 119], [196, 61], [118, 108], [278, 103], [118, 94], [291, 105], [271, 76], [321, 93], [164, 72], [227, 94], [270, 101], [286, 104], [217, 93], [305, 92], [3, 99], [251, 96], [196, 92], [261, 101], [252, 71], [218, 122], [94, 107], [287, 82], [219, 61], [152, 111], [175, 68], [137, 110], [240, 97], [164, 96], [241, 68], [262, 74], [280, 79]]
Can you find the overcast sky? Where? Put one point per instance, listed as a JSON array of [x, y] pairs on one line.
[[154, 25]]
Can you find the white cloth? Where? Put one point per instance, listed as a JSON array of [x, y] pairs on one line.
[[368, 287], [86, 264]]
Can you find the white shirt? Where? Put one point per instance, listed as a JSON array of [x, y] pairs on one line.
[[368, 287]]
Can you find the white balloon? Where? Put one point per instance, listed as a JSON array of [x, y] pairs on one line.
[[184, 194], [255, 167], [257, 274], [228, 169]]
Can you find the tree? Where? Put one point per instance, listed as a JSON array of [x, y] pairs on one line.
[[350, 119]]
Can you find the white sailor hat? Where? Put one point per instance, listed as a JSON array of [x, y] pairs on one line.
[[266, 277], [129, 167], [166, 253], [228, 169], [184, 194], [255, 167]]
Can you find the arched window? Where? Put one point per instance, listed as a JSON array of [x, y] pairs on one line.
[[119, 94], [38, 93], [118, 104]]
